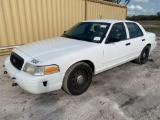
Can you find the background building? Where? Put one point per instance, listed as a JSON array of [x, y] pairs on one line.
[[24, 21]]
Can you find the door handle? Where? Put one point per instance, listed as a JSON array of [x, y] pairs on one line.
[[143, 39], [128, 44]]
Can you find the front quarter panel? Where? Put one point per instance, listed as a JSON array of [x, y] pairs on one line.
[[90, 53]]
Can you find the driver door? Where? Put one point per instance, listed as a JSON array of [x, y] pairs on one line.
[[116, 53]]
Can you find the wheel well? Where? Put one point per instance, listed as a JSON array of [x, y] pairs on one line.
[[90, 64], [149, 45]]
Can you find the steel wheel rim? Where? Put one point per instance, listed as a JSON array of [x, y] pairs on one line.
[[79, 79]]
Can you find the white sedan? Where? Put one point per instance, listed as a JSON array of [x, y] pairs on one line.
[[86, 49]]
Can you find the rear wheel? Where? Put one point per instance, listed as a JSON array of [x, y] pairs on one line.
[[142, 59], [77, 79]]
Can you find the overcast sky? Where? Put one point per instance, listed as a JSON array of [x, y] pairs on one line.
[[143, 7]]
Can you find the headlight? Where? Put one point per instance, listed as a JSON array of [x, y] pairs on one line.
[[40, 70]]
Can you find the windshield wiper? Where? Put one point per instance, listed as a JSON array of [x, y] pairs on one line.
[[75, 37], [78, 38]]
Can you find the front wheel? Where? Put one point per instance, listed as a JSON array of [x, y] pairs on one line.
[[77, 78], [142, 59]]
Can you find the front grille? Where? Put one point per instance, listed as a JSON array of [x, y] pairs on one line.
[[16, 61]]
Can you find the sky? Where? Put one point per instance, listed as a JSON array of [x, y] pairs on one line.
[[143, 7]]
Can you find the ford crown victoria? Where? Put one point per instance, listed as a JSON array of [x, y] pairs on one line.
[[86, 49]]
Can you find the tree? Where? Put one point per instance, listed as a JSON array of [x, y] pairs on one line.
[[158, 15], [118, 1], [127, 2]]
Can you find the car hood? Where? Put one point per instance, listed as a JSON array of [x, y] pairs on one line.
[[55, 47]]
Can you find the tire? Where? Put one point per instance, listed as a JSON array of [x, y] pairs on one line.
[[142, 59], [77, 78]]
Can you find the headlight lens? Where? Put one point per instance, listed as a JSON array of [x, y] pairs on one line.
[[40, 70]]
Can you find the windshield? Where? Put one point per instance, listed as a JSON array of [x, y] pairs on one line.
[[88, 31]]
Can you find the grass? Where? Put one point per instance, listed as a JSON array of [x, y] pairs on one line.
[[155, 30], [153, 26], [149, 22]]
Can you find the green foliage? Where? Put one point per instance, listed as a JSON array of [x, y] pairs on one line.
[[144, 17]]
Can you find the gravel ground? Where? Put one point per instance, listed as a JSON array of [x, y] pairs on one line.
[[127, 92]]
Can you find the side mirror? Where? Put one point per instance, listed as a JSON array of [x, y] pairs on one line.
[[114, 39]]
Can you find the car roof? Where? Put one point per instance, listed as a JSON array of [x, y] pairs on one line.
[[107, 20]]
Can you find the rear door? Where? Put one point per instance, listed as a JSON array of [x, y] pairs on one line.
[[137, 39]]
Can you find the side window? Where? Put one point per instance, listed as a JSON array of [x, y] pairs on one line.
[[134, 30], [118, 30]]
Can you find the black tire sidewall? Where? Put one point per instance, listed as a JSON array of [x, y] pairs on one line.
[[144, 50], [89, 77]]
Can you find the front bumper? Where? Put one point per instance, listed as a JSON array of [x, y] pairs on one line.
[[34, 84]]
